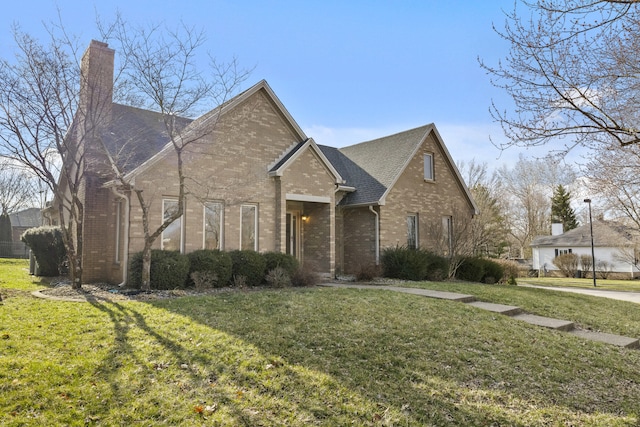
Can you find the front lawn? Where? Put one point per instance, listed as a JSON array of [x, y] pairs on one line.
[[300, 357], [607, 284]]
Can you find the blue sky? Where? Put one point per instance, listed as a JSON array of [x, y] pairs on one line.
[[347, 71]]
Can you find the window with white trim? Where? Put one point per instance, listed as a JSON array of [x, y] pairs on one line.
[[249, 227], [172, 235], [428, 167], [213, 221]]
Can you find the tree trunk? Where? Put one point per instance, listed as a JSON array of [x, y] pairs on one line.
[[146, 268]]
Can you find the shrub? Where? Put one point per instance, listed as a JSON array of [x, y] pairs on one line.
[[278, 278], [215, 263], [437, 267], [511, 270], [367, 272], [476, 269], [586, 261], [604, 269], [472, 269], [169, 270], [403, 263], [48, 248], [239, 281], [567, 264], [305, 276], [204, 280], [493, 271], [278, 259], [249, 264]]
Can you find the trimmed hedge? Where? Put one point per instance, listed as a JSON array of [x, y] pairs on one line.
[[248, 264], [213, 261], [287, 262], [48, 249], [475, 269], [404, 263], [169, 270]]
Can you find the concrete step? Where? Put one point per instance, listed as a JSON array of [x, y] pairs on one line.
[[451, 296], [507, 310], [546, 322], [618, 340]]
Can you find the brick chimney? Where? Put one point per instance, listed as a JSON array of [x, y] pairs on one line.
[[96, 82]]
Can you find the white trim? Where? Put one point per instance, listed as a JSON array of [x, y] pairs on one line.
[[305, 198], [309, 143], [432, 173]]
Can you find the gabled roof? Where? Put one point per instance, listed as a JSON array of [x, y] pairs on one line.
[[31, 217], [368, 190], [605, 234], [214, 115], [373, 167], [289, 157]]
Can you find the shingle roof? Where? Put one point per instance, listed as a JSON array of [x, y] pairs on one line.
[[135, 135], [372, 167], [605, 234], [31, 217], [384, 158], [368, 189]]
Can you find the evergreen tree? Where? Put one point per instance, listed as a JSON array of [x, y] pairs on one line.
[[561, 210]]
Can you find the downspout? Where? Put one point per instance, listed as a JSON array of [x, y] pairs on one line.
[[125, 245], [377, 234]]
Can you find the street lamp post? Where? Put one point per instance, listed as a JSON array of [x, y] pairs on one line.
[[593, 253]]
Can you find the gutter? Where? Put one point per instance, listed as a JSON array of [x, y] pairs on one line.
[[125, 246], [377, 233]]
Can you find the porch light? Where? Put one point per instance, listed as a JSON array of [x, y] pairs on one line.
[[305, 218], [593, 253]]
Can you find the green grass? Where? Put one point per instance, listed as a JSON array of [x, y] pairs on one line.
[[299, 357], [608, 284]]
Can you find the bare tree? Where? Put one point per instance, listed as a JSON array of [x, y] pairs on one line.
[[17, 188], [451, 238], [571, 73], [489, 229], [38, 103], [526, 191], [614, 174], [159, 67]]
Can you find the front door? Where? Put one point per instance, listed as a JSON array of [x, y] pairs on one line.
[[293, 233]]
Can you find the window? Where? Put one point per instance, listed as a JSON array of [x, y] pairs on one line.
[[248, 227], [412, 231], [213, 225], [563, 251], [447, 233], [172, 235], [428, 167]]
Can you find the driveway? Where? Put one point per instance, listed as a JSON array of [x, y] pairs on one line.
[[619, 295]]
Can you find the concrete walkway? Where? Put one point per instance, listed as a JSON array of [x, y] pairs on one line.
[[508, 310], [596, 292]]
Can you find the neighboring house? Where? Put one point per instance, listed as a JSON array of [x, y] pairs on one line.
[[20, 222], [23, 220], [615, 247], [257, 181]]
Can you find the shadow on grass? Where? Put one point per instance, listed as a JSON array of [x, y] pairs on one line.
[[247, 385], [402, 359]]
